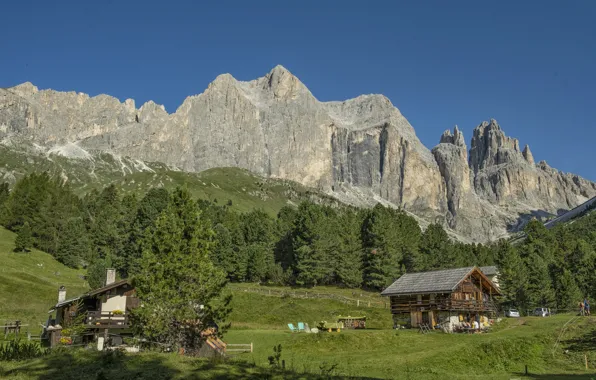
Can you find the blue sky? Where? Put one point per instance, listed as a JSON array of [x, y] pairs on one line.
[[529, 64]]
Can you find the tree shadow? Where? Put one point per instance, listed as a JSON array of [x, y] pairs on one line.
[[79, 364], [584, 343], [93, 365], [237, 370], [556, 376]]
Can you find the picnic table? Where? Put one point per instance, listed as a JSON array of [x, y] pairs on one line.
[[331, 326]]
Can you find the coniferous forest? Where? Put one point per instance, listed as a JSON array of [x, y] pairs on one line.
[[303, 245]]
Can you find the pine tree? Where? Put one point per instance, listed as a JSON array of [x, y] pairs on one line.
[[347, 262], [96, 272], [311, 264], [436, 250], [540, 286], [284, 227], [581, 262], [24, 239], [390, 241], [180, 288], [4, 193], [73, 247], [259, 261], [568, 293], [513, 279]]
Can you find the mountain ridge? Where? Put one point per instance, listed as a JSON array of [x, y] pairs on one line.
[[358, 150]]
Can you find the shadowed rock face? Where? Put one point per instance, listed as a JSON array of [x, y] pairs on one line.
[[361, 150]]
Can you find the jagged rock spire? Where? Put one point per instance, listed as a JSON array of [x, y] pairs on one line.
[[455, 138], [528, 155], [490, 146]]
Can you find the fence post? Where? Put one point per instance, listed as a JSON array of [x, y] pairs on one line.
[[251, 347], [357, 303]]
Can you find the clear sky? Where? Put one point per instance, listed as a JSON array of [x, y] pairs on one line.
[[529, 64]]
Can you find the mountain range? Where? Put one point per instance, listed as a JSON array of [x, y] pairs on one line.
[[361, 151]]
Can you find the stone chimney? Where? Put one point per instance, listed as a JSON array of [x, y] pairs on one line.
[[110, 276], [61, 294]]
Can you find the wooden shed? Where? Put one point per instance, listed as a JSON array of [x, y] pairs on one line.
[[443, 296]]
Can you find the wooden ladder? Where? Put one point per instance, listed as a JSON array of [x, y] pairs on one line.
[[424, 328]]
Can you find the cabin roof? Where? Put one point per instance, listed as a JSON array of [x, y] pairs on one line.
[[439, 281], [66, 302], [91, 293], [490, 270], [113, 285]]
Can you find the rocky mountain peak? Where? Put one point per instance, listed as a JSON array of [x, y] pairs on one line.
[[455, 138], [361, 150], [283, 83], [222, 80], [151, 111], [24, 89], [490, 146]]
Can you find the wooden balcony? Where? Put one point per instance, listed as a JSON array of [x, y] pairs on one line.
[[443, 305], [107, 320]]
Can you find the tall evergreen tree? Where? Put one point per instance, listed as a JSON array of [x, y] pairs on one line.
[[96, 271], [4, 193], [74, 247], [568, 293], [436, 249], [540, 287], [382, 244], [311, 266], [24, 239], [178, 284], [347, 261], [513, 278]]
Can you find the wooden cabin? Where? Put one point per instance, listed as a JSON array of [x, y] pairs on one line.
[[492, 272], [106, 308], [106, 313], [446, 297]]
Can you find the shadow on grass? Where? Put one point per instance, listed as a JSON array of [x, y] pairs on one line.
[[555, 376], [584, 343], [92, 365], [71, 365]]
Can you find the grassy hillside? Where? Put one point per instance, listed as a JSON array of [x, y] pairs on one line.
[[29, 283], [408, 354], [244, 190], [256, 311]]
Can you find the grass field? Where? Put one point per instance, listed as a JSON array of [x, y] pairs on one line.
[[29, 282]]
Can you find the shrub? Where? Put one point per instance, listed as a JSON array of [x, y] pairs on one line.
[[17, 350]]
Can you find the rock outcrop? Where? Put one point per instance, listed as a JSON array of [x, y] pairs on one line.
[[362, 150]]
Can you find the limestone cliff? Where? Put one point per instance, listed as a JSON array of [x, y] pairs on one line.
[[361, 150]]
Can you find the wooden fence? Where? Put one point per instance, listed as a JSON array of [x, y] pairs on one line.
[[305, 294], [239, 347]]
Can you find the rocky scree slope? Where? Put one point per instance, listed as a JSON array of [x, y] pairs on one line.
[[361, 150]]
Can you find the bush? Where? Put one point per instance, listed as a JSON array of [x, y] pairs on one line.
[[16, 350]]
